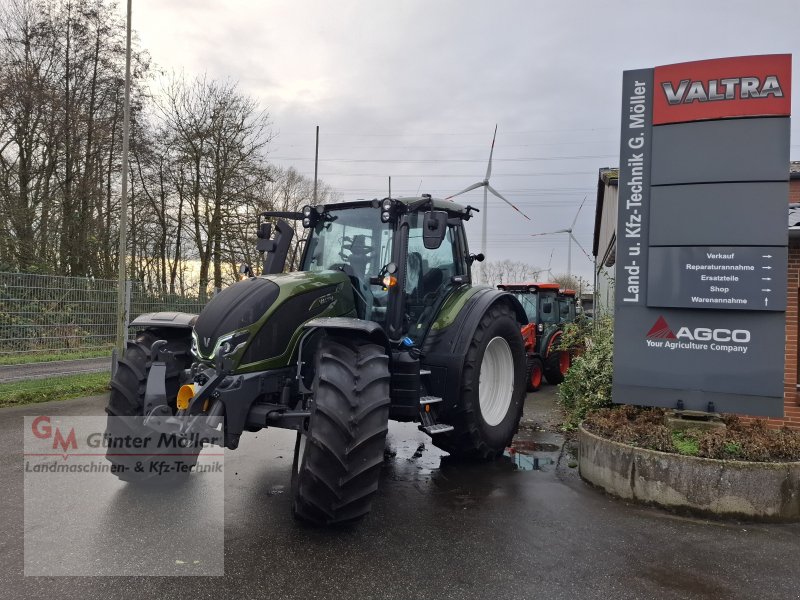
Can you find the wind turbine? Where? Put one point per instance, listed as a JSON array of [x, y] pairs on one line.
[[549, 262], [570, 239], [487, 188]]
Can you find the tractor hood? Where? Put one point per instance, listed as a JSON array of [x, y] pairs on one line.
[[236, 307], [267, 310]]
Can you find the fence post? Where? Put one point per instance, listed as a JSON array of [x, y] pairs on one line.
[[128, 293]]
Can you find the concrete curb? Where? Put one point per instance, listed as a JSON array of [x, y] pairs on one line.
[[766, 491]]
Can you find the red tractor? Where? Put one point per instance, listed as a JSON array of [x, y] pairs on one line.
[[548, 308]]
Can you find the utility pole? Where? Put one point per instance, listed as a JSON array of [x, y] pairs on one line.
[[122, 313], [316, 162]]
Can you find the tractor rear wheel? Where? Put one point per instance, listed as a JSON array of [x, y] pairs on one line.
[[127, 400], [338, 458], [492, 389], [535, 373], [556, 366]]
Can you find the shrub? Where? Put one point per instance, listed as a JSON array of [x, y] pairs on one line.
[[587, 384]]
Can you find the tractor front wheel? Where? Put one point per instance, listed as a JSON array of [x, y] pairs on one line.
[[162, 463], [338, 457]]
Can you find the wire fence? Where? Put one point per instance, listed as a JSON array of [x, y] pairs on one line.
[[71, 321]]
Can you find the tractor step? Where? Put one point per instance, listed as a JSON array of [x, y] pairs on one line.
[[436, 428], [429, 400]]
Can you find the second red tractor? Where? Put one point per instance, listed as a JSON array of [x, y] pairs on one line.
[[548, 309]]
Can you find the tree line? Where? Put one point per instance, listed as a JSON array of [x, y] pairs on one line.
[[199, 172]]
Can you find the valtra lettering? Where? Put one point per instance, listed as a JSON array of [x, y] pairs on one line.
[[732, 88]]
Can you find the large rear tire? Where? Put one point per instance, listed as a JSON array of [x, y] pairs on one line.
[[492, 389], [337, 460], [535, 373], [127, 400], [557, 362]]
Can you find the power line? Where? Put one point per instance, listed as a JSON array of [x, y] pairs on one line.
[[442, 160]]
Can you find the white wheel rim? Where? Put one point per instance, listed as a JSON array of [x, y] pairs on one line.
[[496, 387], [301, 451]]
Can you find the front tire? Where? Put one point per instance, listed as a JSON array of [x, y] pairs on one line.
[[337, 460], [127, 400], [492, 389]]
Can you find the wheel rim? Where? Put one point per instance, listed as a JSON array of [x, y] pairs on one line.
[[563, 363], [536, 376], [496, 386], [301, 450]]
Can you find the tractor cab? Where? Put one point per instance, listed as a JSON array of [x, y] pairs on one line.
[[566, 305], [402, 260]]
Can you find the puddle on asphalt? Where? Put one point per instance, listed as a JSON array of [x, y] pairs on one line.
[[409, 458], [528, 462]]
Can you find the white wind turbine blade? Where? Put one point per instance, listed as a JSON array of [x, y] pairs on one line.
[[574, 239], [491, 151], [575, 220], [499, 195], [550, 233], [468, 189]]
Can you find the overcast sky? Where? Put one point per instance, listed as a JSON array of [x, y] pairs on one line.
[[413, 89]]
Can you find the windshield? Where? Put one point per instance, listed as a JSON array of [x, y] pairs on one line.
[[353, 240], [528, 302]]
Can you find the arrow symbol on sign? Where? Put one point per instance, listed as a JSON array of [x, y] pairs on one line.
[[766, 279], [766, 267], [766, 256], [767, 290], [765, 301]]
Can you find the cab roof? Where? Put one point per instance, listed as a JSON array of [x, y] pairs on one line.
[[438, 204], [567, 292], [525, 287]]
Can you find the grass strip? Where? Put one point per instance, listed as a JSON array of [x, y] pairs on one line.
[[33, 391]]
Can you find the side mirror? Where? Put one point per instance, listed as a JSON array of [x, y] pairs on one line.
[[434, 228], [475, 257]]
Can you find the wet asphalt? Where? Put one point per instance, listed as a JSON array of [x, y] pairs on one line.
[[57, 368], [523, 527]]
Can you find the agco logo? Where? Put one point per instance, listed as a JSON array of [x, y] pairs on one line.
[[731, 88], [661, 335]]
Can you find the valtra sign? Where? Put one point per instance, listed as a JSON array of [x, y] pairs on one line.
[[701, 256], [746, 86]]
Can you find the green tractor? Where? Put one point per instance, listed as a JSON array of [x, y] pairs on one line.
[[382, 321]]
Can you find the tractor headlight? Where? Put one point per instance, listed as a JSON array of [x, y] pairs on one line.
[[385, 217], [306, 213], [386, 205], [306, 222]]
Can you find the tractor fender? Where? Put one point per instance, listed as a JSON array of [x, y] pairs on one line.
[[313, 331], [172, 320], [342, 325], [551, 343], [446, 350]]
